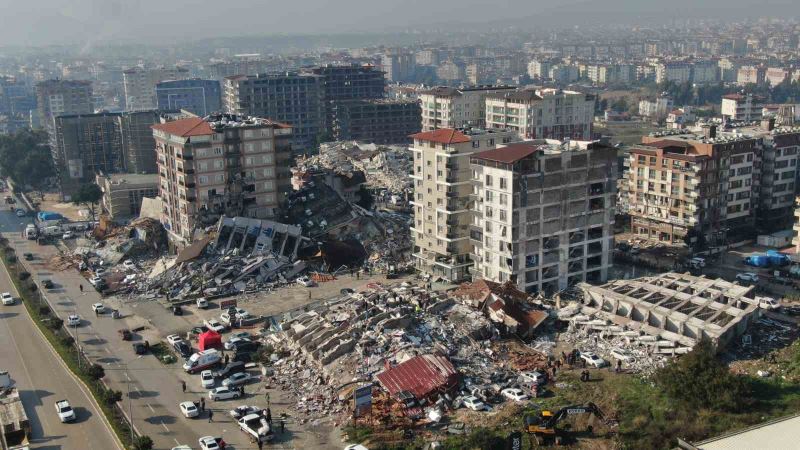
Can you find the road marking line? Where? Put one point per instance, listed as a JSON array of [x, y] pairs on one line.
[[108, 351], [176, 441], [151, 408], [165, 427]]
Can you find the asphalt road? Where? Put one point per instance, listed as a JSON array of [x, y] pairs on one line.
[[42, 378]]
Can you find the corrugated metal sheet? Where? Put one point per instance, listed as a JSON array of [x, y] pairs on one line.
[[421, 375]]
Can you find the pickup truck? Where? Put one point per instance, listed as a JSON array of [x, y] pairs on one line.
[[65, 411], [257, 427]]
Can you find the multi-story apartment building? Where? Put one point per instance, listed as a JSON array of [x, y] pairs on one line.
[[123, 193], [399, 66], [86, 144], [779, 170], [221, 164], [705, 72], [776, 75], [610, 73], [342, 83], [137, 140], [542, 113], [657, 108], [744, 107], [200, 97], [140, 85], [674, 71], [62, 97], [288, 97], [221, 70], [381, 121], [750, 75], [544, 213], [684, 187], [564, 73], [442, 197], [539, 68], [448, 107]]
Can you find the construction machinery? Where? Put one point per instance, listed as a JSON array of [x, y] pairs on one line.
[[543, 424]]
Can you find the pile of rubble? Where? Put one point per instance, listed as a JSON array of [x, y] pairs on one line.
[[357, 336], [385, 167]]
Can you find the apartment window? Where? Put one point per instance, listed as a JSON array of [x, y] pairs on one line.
[[489, 196], [490, 142], [268, 159], [217, 150], [503, 198], [642, 159], [203, 166], [269, 172], [640, 172], [201, 152], [218, 164], [488, 211], [202, 179], [249, 147], [488, 227], [488, 180], [438, 158], [438, 173], [503, 183], [219, 178], [428, 163], [502, 215]]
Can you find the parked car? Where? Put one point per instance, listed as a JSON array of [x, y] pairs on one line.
[[189, 409], [202, 303], [241, 411], [247, 346], [48, 284], [305, 281], [223, 393], [99, 272], [98, 308], [207, 379], [125, 334], [96, 281], [230, 369], [183, 349], [747, 277], [237, 379], [174, 339], [177, 310], [768, 303], [592, 359], [65, 411], [242, 314], [514, 394], [532, 377], [73, 320], [225, 318], [239, 334], [781, 280], [28, 256], [474, 403], [208, 443], [140, 348], [697, 262], [231, 344], [128, 264], [213, 324], [68, 235], [8, 299]]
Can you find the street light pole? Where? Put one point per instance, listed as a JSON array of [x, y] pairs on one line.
[[130, 403]]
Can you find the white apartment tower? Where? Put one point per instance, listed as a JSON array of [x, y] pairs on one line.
[[140, 85], [442, 197], [448, 107], [542, 113]]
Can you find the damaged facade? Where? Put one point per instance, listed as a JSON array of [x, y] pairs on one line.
[[220, 165]]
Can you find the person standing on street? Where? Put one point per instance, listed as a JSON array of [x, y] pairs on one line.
[[183, 386], [202, 404], [80, 286], [210, 416]]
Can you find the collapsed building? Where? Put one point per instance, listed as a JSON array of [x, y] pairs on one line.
[[668, 313]]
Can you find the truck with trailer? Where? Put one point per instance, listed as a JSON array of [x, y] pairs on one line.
[[15, 428]]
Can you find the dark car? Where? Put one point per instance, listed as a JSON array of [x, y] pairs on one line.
[[47, 284], [28, 256], [244, 357], [177, 310], [232, 368], [184, 349], [140, 348], [246, 346], [126, 335]]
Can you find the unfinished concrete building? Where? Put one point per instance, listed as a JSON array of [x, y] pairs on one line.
[[258, 237], [677, 309]]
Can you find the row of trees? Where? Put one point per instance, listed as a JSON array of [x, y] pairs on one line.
[[25, 157]]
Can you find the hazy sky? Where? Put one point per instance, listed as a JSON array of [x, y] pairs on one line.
[[39, 22]]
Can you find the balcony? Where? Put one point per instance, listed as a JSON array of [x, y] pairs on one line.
[[452, 194]]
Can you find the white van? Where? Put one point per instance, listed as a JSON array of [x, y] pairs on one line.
[[31, 233], [202, 360], [768, 303]]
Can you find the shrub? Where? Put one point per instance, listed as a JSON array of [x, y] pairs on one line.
[[110, 396], [142, 443], [95, 371], [54, 323], [24, 275]]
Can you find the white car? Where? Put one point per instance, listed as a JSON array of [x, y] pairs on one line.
[[768, 303], [237, 379], [230, 344], [189, 409], [174, 339], [223, 393], [242, 314], [98, 308], [213, 324], [208, 443], [128, 264], [96, 281], [73, 320], [225, 318], [8, 299], [99, 272], [514, 394], [592, 359], [474, 403], [622, 355], [202, 303], [532, 377], [68, 235], [207, 379], [355, 447], [747, 277], [305, 281], [65, 411]]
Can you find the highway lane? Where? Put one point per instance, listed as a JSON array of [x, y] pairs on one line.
[[42, 378]]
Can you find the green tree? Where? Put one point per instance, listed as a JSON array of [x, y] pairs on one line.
[[25, 157], [699, 380], [88, 194], [142, 443]]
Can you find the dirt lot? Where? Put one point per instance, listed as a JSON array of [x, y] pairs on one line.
[[52, 202]]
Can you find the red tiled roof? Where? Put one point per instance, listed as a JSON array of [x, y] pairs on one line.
[[442, 136], [193, 126], [508, 154], [421, 375]]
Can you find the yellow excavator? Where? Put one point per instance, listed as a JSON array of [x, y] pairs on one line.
[[543, 424]]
